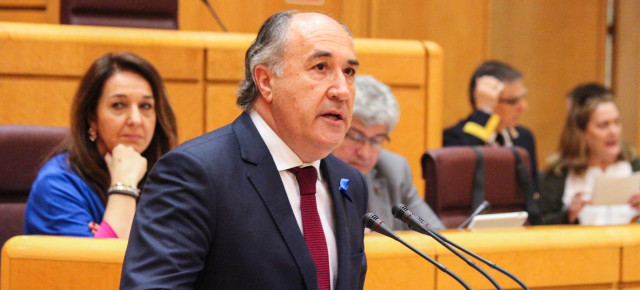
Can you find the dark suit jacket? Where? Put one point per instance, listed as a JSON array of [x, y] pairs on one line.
[[214, 215], [455, 136]]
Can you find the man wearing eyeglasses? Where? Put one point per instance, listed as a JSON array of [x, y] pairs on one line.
[[497, 95], [388, 176]]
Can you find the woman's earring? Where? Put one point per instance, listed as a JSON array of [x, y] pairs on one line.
[[92, 135]]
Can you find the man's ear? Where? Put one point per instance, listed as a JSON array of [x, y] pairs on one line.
[[263, 77]]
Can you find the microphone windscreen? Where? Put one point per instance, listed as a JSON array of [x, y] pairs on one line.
[[374, 223], [400, 211]]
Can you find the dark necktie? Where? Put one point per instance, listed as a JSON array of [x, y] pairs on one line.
[[500, 139], [312, 227]]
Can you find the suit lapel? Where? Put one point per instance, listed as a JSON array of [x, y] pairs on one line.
[[340, 216], [263, 175]]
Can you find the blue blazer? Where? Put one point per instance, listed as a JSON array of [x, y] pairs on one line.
[[214, 215]]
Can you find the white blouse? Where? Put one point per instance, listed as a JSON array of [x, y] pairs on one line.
[[601, 214]]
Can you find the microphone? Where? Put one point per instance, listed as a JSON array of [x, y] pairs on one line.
[[482, 207], [373, 222], [400, 211], [215, 15]]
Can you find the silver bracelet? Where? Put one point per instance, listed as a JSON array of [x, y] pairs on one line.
[[124, 189]]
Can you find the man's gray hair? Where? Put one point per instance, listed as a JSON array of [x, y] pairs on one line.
[[375, 104], [268, 50]]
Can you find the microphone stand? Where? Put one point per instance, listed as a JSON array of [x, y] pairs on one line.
[[402, 213], [419, 225], [481, 259], [373, 222], [482, 207]]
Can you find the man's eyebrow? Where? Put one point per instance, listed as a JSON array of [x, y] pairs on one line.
[[322, 53], [319, 54]]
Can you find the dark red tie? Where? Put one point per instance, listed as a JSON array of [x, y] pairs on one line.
[[312, 227]]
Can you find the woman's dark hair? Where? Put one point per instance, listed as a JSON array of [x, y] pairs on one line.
[[84, 157]]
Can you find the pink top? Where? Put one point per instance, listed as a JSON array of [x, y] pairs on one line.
[[105, 232]]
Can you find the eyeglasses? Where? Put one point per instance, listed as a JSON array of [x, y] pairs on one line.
[[375, 141], [515, 99], [511, 101]]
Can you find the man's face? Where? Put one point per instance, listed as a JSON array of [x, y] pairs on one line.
[[361, 148], [511, 104], [312, 100]]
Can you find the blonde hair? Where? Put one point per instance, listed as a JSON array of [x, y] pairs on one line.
[[573, 151]]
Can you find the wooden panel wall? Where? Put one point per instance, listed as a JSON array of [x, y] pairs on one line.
[[626, 67], [458, 26], [557, 45], [37, 11], [42, 65], [248, 15]]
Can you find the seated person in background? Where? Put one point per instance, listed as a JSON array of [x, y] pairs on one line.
[[121, 123], [389, 179], [590, 146], [497, 95]]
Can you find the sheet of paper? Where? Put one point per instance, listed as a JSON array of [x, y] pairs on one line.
[[614, 190]]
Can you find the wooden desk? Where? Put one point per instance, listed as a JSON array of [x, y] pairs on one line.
[[570, 256], [543, 257], [41, 262], [549, 257], [390, 265]]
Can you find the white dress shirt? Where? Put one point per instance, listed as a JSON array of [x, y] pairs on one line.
[[505, 135], [285, 159], [598, 214]]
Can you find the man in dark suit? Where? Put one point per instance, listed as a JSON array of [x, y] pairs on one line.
[[225, 211], [497, 95]]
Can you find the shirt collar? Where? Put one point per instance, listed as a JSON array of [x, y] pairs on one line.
[[282, 155], [509, 135]]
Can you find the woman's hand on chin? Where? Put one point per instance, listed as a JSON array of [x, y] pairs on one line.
[[125, 165]]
